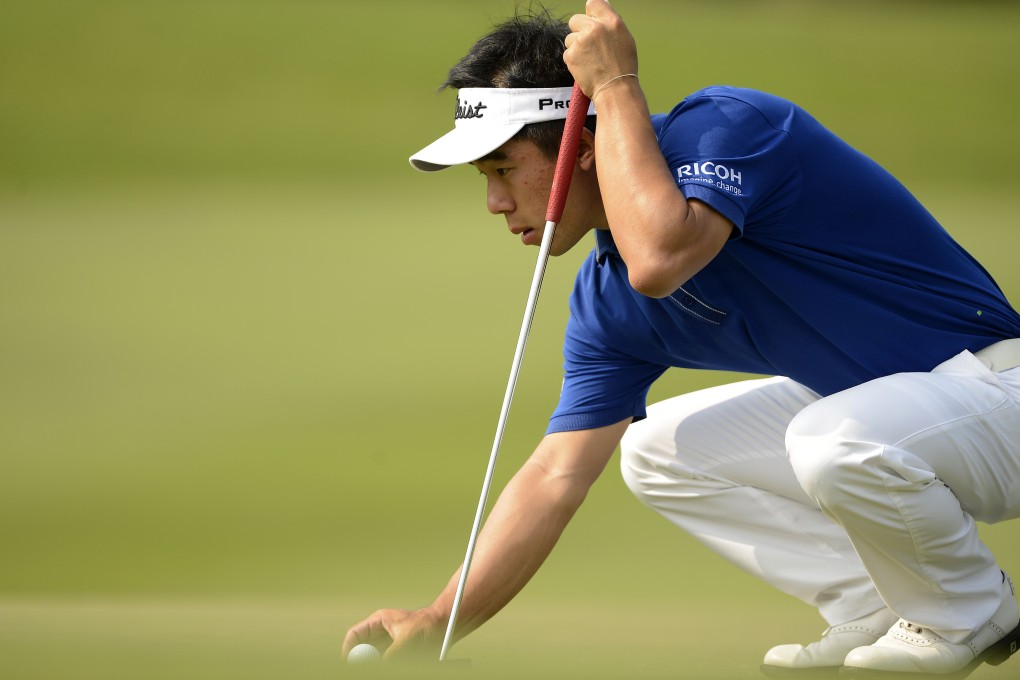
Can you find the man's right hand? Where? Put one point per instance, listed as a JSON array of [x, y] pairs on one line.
[[400, 634]]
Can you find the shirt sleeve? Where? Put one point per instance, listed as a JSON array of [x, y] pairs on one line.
[[600, 386], [733, 154]]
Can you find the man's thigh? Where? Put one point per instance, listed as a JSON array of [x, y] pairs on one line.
[[734, 432], [961, 422]]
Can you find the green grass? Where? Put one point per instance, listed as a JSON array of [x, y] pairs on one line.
[[268, 639], [251, 363]]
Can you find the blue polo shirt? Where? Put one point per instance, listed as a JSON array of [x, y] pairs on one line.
[[835, 274]]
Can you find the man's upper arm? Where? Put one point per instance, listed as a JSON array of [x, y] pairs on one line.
[[730, 149], [579, 456], [717, 227]]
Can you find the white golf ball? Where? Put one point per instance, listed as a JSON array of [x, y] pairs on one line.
[[363, 653]]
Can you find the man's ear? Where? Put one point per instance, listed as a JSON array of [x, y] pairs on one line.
[[586, 150]]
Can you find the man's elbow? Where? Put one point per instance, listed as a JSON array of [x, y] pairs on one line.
[[654, 281]]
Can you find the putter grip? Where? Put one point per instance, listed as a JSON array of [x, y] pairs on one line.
[[576, 114]]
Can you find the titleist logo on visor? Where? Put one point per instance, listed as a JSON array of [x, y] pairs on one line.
[[465, 110]]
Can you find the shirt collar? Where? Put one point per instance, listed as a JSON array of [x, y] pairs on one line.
[[604, 245]]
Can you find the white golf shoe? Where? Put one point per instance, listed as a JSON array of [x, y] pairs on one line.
[[909, 649], [824, 657]]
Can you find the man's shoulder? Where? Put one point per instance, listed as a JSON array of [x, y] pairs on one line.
[[727, 97], [729, 106], [741, 94]]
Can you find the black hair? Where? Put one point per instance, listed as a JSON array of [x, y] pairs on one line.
[[526, 50]]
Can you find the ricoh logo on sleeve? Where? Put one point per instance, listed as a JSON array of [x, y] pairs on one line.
[[710, 172]]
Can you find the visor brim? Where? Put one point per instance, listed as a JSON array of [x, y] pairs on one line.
[[463, 145]]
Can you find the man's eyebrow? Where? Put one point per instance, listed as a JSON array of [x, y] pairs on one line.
[[496, 155]]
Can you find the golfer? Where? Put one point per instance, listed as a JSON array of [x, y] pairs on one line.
[[737, 233]]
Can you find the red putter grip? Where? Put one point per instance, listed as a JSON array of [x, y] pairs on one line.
[[576, 114]]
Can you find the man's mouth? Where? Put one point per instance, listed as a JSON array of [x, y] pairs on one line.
[[529, 236]]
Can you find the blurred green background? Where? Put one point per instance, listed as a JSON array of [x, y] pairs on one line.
[[251, 363]]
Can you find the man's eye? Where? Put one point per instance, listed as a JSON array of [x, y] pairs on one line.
[[499, 172]]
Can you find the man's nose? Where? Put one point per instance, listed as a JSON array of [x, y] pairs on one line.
[[497, 199]]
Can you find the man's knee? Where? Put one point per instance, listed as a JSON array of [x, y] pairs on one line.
[[829, 453], [655, 470]]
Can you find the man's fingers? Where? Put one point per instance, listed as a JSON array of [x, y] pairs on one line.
[[373, 631], [579, 23], [596, 9], [402, 649]]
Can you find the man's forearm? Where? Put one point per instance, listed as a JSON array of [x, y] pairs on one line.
[[526, 522], [524, 525]]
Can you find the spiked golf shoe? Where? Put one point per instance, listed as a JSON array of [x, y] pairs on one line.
[[909, 649], [825, 656]]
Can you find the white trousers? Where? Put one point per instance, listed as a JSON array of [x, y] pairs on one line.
[[863, 499]]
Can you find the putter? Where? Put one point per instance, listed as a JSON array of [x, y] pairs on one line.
[[557, 199]]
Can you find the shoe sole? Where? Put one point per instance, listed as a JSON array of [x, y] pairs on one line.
[[994, 655]]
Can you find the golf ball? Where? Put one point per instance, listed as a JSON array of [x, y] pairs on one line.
[[363, 653]]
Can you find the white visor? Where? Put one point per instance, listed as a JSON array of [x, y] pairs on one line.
[[487, 117]]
